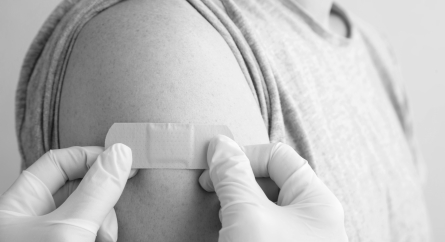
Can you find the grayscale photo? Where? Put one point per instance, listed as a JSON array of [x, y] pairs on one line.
[[222, 120]]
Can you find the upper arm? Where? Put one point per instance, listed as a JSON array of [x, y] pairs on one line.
[[153, 61], [157, 61]]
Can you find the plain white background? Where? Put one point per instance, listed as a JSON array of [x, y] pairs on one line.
[[416, 30]]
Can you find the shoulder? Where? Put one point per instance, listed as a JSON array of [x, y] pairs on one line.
[[137, 28], [141, 19], [153, 61]]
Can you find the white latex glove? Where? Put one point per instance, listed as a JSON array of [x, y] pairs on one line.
[[306, 209], [28, 211]]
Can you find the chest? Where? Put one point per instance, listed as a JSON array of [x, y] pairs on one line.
[[336, 95]]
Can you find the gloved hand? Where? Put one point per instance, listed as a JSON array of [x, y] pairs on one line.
[[306, 209], [28, 210]]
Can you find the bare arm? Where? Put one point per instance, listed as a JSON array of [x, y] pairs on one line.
[[157, 61]]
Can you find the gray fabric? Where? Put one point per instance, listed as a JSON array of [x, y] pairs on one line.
[[340, 102]]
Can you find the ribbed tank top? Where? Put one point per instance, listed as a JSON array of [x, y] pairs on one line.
[[339, 101]]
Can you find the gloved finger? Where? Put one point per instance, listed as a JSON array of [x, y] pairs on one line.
[[133, 173], [258, 156], [65, 191], [267, 185], [205, 181], [28, 196], [231, 174], [108, 230], [282, 162], [297, 180], [57, 166], [284, 166], [99, 190]]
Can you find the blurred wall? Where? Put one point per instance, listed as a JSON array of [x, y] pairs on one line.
[[415, 28]]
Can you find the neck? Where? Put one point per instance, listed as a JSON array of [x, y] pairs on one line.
[[318, 9]]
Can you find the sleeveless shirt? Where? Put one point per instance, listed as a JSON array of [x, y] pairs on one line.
[[338, 101]]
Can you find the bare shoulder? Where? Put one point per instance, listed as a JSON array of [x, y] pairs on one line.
[[154, 61], [157, 61]]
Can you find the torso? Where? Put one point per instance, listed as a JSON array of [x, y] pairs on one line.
[[319, 92]]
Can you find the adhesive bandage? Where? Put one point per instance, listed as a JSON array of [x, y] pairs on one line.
[[166, 145]]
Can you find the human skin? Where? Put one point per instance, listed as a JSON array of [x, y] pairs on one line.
[[161, 61], [318, 9], [157, 61]]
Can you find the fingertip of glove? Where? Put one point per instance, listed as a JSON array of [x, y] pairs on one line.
[[214, 142], [133, 173], [220, 138], [119, 147], [122, 155], [206, 182]]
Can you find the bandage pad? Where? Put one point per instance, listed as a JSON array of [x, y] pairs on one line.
[[166, 145]]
